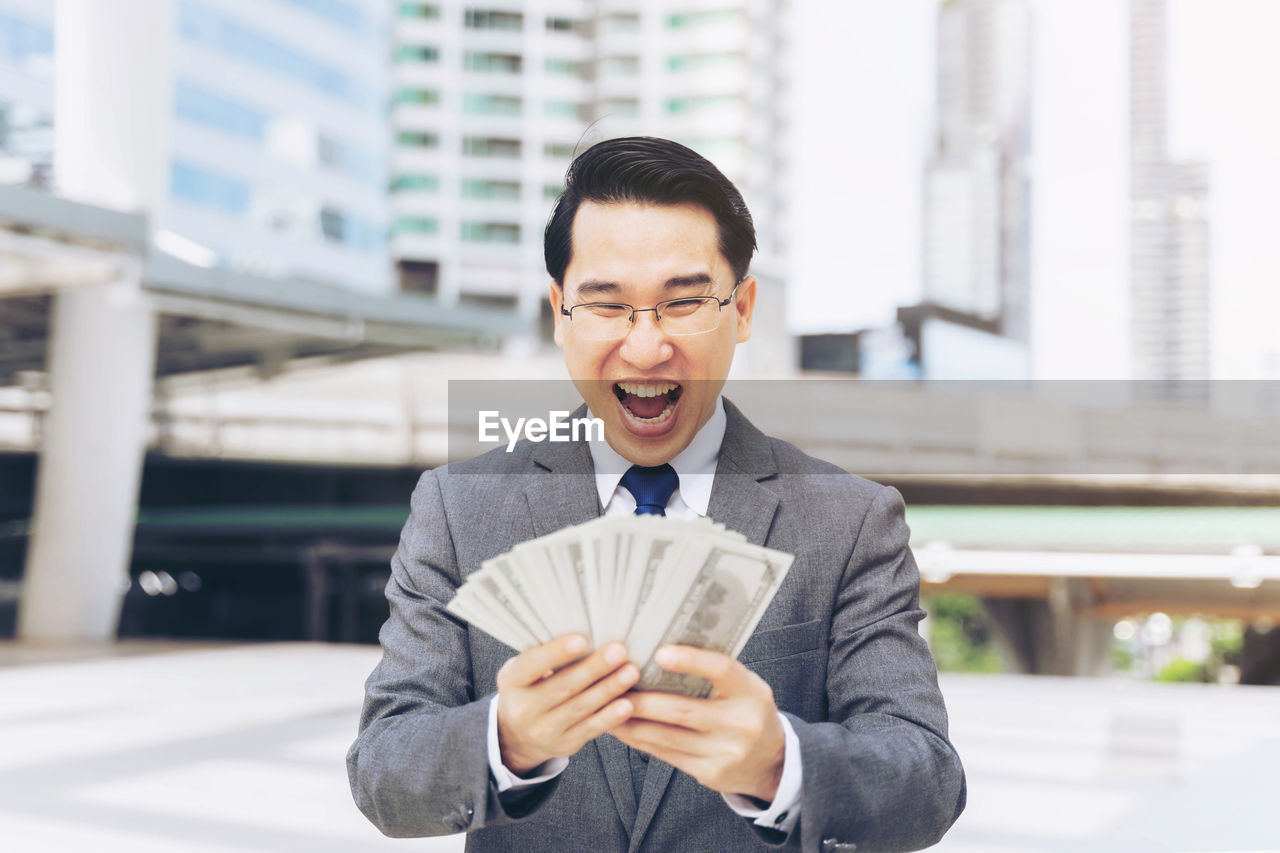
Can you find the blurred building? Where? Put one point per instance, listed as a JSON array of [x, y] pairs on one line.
[[26, 92], [493, 100], [276, 140], [974, 317], [1169, 229], [977, 225]]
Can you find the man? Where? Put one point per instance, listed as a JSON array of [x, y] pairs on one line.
[[827, 734]]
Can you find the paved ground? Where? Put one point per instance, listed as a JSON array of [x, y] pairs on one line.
[[154, 748]]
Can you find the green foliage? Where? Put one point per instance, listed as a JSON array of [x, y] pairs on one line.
[[1181, 669], [961, 636]]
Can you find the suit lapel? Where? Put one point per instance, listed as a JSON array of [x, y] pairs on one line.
[[740, 503]]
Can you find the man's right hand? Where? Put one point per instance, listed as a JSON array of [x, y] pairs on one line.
[[550, 703]]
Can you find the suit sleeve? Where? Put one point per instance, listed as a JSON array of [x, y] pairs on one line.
[[420, 763], [881, 774]]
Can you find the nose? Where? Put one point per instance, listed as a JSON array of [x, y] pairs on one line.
[[646, 344]]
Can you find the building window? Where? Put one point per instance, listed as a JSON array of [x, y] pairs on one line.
[[700, 103], [488, 146], [558, 150], [417, 139], [488, 300], [505, 63], [197, 104], [347, 230], [621, 22], [420, 225], [620, 66], [21, 40], [417, 96], [429, 11], [702, 61], [344, 14], [202, 186], [558, 24], [490, 232], [563, 109], [492, 19], [418, 53], [491, 105], [415, 183], [419, 276], [703, 18], [552, 191], [506, 190], [556, 65], [204, 26]]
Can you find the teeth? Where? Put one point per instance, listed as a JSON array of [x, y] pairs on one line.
[[646, 390]]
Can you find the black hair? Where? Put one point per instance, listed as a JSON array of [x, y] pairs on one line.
[[646, 169]]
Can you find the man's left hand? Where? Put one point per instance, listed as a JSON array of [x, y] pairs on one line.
[[732, 742]]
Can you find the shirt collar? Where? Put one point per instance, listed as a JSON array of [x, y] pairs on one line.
[[695, 465]]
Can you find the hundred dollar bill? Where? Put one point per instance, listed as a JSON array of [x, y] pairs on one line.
[[731, 587]]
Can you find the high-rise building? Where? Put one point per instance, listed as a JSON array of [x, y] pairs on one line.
[[494, 97], [276, 136], [977, 188], [1169, 229], [26, 92]]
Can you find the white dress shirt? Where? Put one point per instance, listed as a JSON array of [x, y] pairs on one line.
[[696, 468]]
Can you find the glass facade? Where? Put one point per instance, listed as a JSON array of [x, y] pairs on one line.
[[197, 104], [203, 106], [207, 188], [348, 16], [22, 40], [201, 25]]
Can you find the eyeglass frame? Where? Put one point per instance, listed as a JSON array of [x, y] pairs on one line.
[[721, 304]]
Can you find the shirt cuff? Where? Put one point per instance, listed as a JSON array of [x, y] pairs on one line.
[[783, 813], [508, 781]]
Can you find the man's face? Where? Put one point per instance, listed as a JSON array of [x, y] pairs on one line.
[[653, 390]]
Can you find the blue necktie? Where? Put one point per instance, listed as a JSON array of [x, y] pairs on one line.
[[651, 487]]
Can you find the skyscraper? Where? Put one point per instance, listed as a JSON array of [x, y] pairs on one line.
[[977, 186], [1169, 229]]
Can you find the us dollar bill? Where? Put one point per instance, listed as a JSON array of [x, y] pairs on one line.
[[731, 589]]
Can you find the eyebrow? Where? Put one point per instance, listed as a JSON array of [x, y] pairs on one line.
[[597, 287]]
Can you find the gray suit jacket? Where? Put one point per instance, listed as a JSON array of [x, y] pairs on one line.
[[838, 644]]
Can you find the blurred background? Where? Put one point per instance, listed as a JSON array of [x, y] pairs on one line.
[[246, 244]]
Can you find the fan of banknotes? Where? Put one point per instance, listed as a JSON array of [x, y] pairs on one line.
[[644, 581]]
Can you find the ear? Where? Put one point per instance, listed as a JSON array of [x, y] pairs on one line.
[[556, 296], [745, 304]]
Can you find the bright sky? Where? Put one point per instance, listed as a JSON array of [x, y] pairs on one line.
[[864, 93]]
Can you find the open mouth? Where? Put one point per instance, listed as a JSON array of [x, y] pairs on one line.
[[648, 403]]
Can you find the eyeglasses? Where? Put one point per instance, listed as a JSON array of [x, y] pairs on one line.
[[612, 321]]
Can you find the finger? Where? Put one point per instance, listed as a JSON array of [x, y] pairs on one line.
[[575, 678], [697, 714], [611, 715], [727, 675], [581, 705], [661, 740], [530, 665]]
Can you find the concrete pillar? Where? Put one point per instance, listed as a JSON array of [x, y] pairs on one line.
[[1050, 636], [112, 105], [102, 359]]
